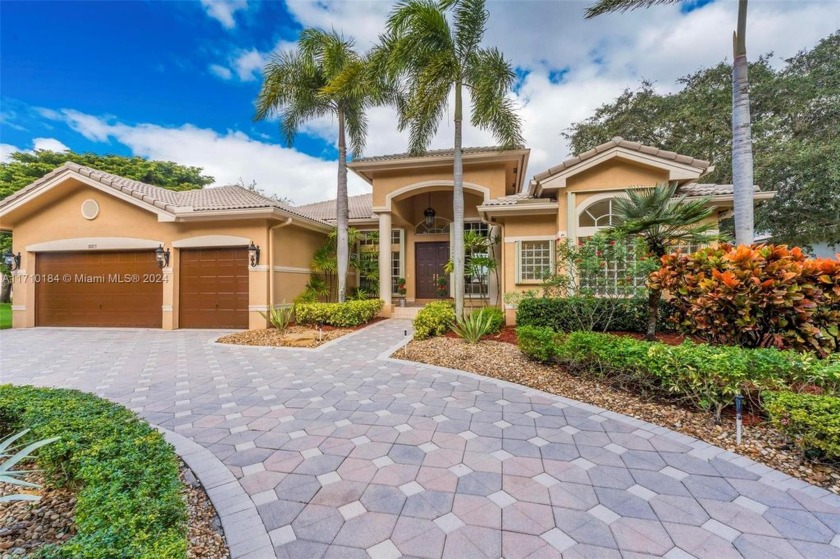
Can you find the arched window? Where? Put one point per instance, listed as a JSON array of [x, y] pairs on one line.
[[441, 225], [599, 214]]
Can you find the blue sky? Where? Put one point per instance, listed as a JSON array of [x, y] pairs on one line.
[[176, 80]]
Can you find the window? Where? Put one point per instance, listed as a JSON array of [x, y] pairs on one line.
[[368, 259], [598, 215], [622, 271], [441, 225], [476, 278], [535, 259]]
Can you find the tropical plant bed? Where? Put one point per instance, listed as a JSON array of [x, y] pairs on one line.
[[293, 336], [504, 361], [26, 527]]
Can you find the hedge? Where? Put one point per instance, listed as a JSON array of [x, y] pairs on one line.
[[129, 502], [564, 314], [811, 421], [707, 376], [349, 313], [435, 319]]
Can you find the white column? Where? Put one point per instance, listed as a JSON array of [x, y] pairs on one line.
[[385, 259], [492, 283]]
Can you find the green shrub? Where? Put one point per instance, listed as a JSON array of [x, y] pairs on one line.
[[572, 314], [435, 319], [349, 313], [708, 377], [129, 501], [538, 343], [473, 326], [496, 316], [280, 318], [812, 422]]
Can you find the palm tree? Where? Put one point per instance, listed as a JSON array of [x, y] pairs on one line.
[[325, 76], [432, 58], [742, 156], [662, 221]]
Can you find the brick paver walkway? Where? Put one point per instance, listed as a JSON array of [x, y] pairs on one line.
[[345, 453]]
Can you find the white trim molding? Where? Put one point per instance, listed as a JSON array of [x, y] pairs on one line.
[[166, 308], [211, 241], [293, 269], [18, 307], [258, 268], [529, 238], [430, 186], [94, 243], [257, 308]]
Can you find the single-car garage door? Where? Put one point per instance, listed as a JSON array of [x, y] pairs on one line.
[[213, 289], [120, 289]]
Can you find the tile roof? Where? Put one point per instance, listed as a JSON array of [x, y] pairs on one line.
[[429, 153], [511, 200], [360, 206], [618, 141], [205, 199], [700, 189]]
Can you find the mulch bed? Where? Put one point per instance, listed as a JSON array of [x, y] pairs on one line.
[[504, 361], [27, 526], [272, 337]]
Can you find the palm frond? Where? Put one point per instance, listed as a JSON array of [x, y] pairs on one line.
[[608, 6], [489, 77], [419, 32], [356, 124], [470, 22]]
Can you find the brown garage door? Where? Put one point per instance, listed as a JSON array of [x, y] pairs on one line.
[[98, 289], [214, 288]]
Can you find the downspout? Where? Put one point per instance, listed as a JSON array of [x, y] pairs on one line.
[[271, 261]]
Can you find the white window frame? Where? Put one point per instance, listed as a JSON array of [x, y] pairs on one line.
[[518, 260]]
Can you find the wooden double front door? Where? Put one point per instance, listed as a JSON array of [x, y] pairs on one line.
[[430, 258]]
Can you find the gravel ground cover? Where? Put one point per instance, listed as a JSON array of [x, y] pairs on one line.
[[26, 527], [294, 336], [504, 361]]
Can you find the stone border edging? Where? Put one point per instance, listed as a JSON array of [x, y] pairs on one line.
[[701, 449], [245, 532]]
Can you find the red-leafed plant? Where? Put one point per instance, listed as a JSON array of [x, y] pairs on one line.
[[758, 296]]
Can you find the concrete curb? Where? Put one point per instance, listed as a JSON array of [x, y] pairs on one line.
[[246, 535]]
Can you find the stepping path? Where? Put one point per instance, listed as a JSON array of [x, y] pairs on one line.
[[343, 452]]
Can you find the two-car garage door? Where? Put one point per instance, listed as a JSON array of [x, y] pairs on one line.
[[125, 289]]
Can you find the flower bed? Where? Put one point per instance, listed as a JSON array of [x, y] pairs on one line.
[[129, 495], [293, 336]]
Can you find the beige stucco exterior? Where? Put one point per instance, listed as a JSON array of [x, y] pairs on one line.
[[54, 222]]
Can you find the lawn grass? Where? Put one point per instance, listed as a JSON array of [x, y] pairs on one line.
[[5, 315]]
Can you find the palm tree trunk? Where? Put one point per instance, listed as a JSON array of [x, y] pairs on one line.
[[343, 214], [458, 208], [742, 157], [654, 297]]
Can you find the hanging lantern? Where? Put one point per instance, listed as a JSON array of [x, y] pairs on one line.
[[429, 214]]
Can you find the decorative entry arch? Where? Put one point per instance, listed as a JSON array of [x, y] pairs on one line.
[[432, 186]]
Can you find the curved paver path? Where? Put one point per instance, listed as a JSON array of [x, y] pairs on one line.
[[346, 453]]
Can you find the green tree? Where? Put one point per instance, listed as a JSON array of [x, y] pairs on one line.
[[25, 168], [742, 148], [796, 134], [662, 221], [324, 76], [433, 57]]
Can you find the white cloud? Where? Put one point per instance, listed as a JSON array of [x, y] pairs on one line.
[[226, 156], [220, 71], [249, 64], [6, 150], [49, 144], [223, 11]]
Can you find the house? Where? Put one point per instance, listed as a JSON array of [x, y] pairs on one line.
[[190, 250]]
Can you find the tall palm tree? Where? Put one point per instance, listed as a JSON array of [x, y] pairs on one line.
[[662, 221], [742, 155], [431, 58], [323, 77]]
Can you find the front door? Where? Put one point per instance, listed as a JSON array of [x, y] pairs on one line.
[[430, 259]]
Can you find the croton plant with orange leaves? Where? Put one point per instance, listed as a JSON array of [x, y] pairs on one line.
[[754, 296]]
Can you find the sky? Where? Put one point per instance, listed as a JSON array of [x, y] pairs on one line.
[[176, 80]]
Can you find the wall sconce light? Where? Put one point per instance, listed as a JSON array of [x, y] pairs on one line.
[[254, 254], [162, 257], [12, 260]]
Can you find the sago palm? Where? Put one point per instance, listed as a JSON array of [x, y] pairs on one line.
[[324, 76], [431, 57], [742, 155], [663, 222]]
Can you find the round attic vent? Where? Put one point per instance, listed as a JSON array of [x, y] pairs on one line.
[[90, 209]]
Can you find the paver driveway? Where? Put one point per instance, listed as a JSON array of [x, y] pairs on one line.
[[345, 453]]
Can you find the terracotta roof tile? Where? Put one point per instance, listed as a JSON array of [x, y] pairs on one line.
[[360, 207], [701, 189], [429, 153]]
